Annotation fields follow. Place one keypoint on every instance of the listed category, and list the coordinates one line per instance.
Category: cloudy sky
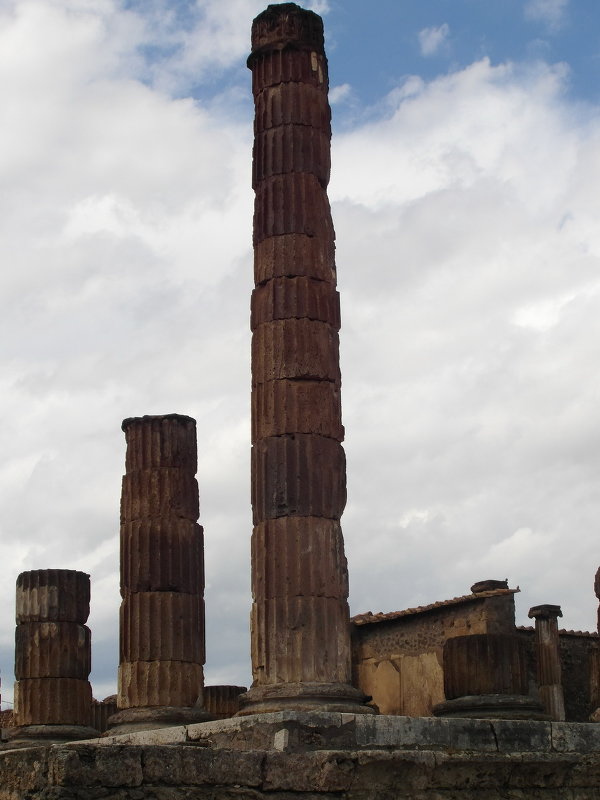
(466, 165)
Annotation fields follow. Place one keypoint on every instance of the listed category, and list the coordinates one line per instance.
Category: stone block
(53, 701)
(164, 492)
(292, 406)
(303, 476)
(299, 556)
(291, 148)
(162, 626)
(52, 650)
(300, 640)
(424, 733)
(289, 65)
(23, 773)
(89, 766)
(295, 348)
(160, 441)
(162, 765)
(292, 203)
(53, 595)
(295, 254)
(162, 554)
(292, 104)
(309, 772)
(295, 298)
(159, 683)
(575, 737)
(201, 766)
(522, 736)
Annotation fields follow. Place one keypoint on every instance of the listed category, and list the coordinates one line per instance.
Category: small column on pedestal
(548, 659)
(162, 578)
(53, 696)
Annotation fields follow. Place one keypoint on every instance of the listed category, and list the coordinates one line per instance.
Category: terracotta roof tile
(369, 618)
(561, 631)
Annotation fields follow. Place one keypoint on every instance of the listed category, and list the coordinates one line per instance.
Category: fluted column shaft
(52, 649)
(162, 567)
(485, 677)
(300, 620)
(548, 659)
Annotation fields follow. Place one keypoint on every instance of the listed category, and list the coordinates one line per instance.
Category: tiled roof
(369, 618)
(562, 631)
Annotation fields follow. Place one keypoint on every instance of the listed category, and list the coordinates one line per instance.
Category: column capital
(545, 611)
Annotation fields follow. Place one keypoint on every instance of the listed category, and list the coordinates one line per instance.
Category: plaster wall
(398, 662)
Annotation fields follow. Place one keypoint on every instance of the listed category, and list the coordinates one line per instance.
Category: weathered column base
(332, 697)
(151, 717)
(32, 735)
(492, 706)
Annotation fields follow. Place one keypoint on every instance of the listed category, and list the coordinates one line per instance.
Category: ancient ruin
(299, 631)
(548, 659)
(308, 726)
(53, 696)
(161, 653)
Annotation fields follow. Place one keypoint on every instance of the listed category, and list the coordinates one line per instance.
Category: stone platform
(317, 755)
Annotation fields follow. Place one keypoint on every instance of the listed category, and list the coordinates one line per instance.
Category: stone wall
(318, 757)
(397, 659)
(580, 664)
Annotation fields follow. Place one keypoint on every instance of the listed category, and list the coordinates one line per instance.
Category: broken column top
(165, 440)
(149, 418)
(53, 595)
(284, 25)
(546, 611)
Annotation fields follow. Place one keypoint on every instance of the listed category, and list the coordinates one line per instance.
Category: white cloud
(431, 39)
(551, 13)
(468, 266)
(340, 94)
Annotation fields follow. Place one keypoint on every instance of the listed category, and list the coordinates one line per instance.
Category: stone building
(397, 657)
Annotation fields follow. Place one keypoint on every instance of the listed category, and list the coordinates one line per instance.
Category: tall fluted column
(300, 621)
(162, 577)
(548, 659)
(53, 696)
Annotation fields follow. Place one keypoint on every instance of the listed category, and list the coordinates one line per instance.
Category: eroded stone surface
(53, 595)
(299, 630)
(288, 406)
(52, 650)
(162, 574)
(53, 701)
(162, 554)
(159, 683)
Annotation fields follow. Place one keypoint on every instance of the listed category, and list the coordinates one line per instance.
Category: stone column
(223, 701)
(485, 677)
(53, 697)
(548, 659)
(300, 621)
(162, 577)
(597, 593)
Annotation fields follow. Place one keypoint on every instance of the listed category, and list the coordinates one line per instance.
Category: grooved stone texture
(299, 622)
(52, 649)
(162, 571)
